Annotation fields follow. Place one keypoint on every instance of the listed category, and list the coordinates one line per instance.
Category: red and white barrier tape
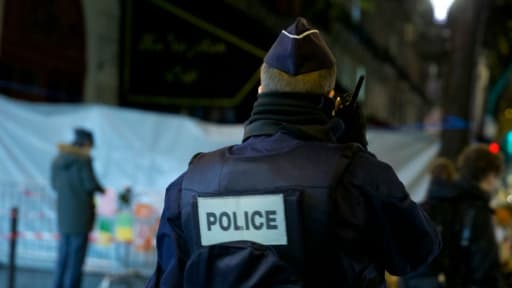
(49, 236)
(31, 215)
(30, 235)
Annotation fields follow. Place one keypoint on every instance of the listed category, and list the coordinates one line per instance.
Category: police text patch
(256, 218)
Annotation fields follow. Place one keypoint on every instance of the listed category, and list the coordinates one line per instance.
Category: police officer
(298, 202)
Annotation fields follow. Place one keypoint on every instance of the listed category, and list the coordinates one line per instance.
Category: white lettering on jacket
(256, 218)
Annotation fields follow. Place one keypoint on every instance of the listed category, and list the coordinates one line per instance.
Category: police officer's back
(291, 205)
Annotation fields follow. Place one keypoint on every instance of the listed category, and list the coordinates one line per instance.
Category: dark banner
(189, 53)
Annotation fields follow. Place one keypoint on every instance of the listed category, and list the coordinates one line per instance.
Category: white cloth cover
(141, 149)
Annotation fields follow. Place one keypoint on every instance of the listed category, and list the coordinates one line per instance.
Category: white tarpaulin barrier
(141, 149)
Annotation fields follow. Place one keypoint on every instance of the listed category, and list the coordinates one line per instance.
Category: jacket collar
(74, 150)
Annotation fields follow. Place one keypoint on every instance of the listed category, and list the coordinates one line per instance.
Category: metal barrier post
(12, 248)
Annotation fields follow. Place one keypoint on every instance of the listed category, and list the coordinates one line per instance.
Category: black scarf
(306, 116)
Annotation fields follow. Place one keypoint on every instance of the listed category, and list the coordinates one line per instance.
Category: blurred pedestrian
(292, 206)
(478, 264)
(503, 220)
(74, 180)
(461, 211)
(438, 203)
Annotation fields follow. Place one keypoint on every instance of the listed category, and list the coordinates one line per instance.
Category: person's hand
(125, 196)
(354, 125)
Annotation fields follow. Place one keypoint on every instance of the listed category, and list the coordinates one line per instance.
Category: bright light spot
(441, 8)
(509, 198)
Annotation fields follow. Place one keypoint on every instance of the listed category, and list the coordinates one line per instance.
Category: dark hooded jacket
(482, 262)
(73, 178)
(469, 257)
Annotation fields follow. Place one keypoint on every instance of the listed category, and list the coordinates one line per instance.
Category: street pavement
(31, 278)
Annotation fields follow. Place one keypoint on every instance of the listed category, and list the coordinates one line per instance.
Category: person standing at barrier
(74, 180)
(292, 205)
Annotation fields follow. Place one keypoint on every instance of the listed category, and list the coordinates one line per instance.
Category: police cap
(299, 49)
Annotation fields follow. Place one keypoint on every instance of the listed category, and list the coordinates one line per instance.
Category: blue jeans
(72, 250)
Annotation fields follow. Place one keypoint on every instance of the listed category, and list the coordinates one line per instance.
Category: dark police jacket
(329, 214)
